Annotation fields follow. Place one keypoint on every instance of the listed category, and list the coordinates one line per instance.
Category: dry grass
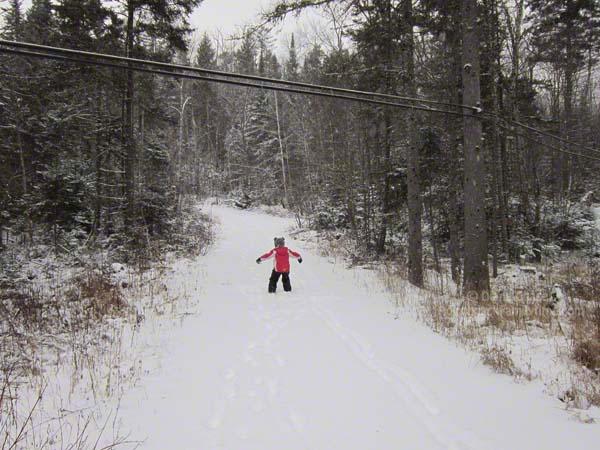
(90, 355)
(103, 298)
(510, 317)
(499, 360)
(56, 323)
(25, 430)
(439, 313)
(587, 353)
(581, 279)
(20, 304)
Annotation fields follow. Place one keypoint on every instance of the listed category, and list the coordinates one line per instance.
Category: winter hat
(279, 241)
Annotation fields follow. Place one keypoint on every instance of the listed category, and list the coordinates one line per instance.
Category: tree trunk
(567, 160)
(414, 200)
(285, 187)
(503, 193)
(24, 182)
(307, 158)
(22, 160)
(180, 133)
(476, 272)
(494, 144)
(500, 175)
(385, 207)
(495, 48)
(98, 163)
(130, 149)
(556, 155)
(434, 239)
(455, 139)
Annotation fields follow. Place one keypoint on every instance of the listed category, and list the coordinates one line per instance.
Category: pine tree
(564, 32)
(12, 16)
(208, 115)
(312, 68)
(158, 19)
(245, 56)
(292, 65)
(83, 23)
(40, 23)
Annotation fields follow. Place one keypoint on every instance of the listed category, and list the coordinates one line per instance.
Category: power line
(113, 61)
(316, 93)
(550, 146)
(201, 70)
(553, 136)
(536, 130)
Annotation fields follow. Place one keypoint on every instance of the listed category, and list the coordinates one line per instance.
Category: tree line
(102, 151)
(86, 151)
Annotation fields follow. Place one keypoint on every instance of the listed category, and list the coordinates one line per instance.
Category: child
(281, 265)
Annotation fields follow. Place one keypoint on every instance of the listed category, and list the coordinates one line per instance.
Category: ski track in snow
(323, 367)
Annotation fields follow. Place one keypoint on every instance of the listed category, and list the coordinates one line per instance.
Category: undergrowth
(555, 304)
(70, 307)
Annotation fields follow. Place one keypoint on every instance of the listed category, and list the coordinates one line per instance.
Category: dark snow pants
(285, 278)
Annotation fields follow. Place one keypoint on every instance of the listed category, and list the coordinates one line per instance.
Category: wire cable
(550, 146)
(550, 135)
(47, 48)
(227, 81)
(140, 65)
(515, 123)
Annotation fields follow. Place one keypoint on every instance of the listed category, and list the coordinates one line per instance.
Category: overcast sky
(224, 15)
(228, 16)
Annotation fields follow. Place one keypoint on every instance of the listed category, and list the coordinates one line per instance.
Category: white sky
(226, 17)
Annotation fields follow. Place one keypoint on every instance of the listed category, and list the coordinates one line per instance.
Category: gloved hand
(300, 260)
(258, 260)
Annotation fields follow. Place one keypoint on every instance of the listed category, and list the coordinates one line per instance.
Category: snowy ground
(328, 366)
(596, 211)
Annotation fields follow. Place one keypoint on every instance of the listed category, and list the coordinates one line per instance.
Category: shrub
(498, 359)
(103, 296)
(587, 353)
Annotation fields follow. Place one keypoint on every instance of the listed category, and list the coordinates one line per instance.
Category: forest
(106, 155)
(452, 145)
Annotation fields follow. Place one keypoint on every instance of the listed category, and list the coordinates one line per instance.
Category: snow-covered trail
(327, 366)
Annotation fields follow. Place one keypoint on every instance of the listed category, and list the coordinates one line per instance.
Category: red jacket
(282, 258)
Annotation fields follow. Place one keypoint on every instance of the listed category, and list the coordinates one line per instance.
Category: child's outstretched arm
(265, 256)
(296, 255)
